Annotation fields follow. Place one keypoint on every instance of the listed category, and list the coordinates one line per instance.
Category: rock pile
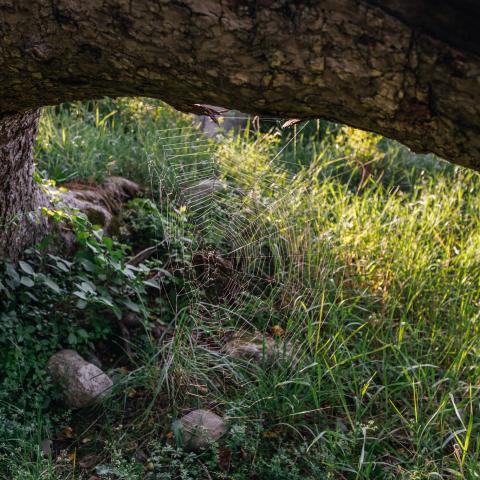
(100, 203)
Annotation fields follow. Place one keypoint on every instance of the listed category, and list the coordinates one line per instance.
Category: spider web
(238, 252)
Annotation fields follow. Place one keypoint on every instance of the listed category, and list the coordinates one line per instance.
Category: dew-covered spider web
(226, 201)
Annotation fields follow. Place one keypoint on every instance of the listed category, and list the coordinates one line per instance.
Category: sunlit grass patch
(358, 256)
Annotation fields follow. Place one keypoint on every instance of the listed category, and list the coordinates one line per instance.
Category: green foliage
(87, 141)
(49, 302)
(372, 276)
(143, 222)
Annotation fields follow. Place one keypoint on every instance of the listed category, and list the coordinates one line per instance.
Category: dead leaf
(151, 422)
(224, 458)
(88, 461)
(132, 393)
(68, 432)
(292, 122)
(278, 331)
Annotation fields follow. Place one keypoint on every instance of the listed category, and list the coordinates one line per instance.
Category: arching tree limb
(407, 69)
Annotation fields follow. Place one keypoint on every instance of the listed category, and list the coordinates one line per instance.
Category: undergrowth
(360, 255)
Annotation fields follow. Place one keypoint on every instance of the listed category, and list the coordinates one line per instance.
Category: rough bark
(409, 69)
(21, 222)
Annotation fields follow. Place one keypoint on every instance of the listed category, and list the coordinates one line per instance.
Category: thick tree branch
(382, 65)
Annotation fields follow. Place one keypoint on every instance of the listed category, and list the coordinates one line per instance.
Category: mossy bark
(407, 69)
(21, 221)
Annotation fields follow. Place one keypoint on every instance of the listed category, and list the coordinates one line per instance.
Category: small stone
(205, 188)
(131, 320)
(82, 381)
(259, 349)
(199, 428)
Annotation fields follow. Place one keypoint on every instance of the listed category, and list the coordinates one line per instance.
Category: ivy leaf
(31, 296)
(131, 306)
(106, 301)
(117, 312)
(128, 273)
(81, 304)
(51, 284)
(28, 282)
(87, 287)
(82, 333)
(12, 273)
(80, 294)
(87, 265)
(108, 243)
(63, 267)
(151, 283)
(26, 267)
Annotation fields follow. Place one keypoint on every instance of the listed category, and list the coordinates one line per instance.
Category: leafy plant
(360, 255)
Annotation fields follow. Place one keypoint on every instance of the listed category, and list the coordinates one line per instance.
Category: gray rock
(92, 358)
(100, 203)
(97, 214)
(82, 381)
(202, 190)
(199, 428)
(258, 348)
(230, 121)
(132, 320)
(119, 189)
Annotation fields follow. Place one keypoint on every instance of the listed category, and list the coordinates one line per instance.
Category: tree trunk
(21, 222)
(408, 69)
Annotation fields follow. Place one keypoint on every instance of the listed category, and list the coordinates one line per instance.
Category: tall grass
(393, 328)
(374, 278)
